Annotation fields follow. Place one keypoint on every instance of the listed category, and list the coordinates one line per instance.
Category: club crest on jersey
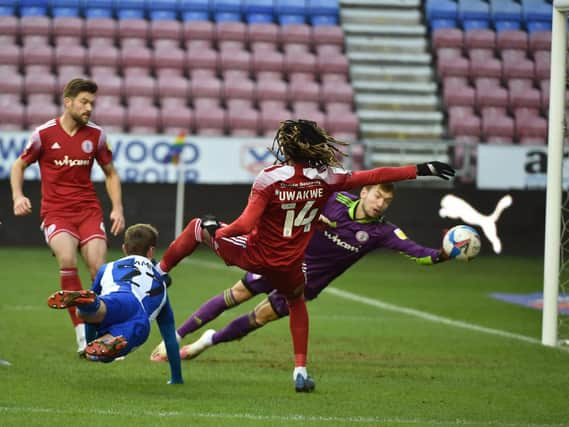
(87, 146)
(362, 236)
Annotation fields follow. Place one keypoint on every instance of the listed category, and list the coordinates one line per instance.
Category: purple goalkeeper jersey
(341, 243)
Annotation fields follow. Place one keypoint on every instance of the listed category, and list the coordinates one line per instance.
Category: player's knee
(240, 293)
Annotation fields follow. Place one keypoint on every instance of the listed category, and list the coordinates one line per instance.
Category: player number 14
(302, 218)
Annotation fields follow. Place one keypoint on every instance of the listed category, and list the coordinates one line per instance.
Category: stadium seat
(10, 55)
(133, 28)
(506, 15)
(202, 58)
(70, 55)
(263, 32)
(479, 54)
(328, 35)
(309, 111)
(12, 116)
(437, 10)
(226, 10)
(290, 11)
(482, 38)
(542, 64)
(126, 10)
(464, 125)
(453, 66)
(518, 68)
(194, 10)
(342, 125)
(270, 89)
(258, 11)
(68, 26)
(531, 129)
(172, 87)
(101, 29)
(38, 114)
(473, 14)
(485, 67)
(491, 96)
(107, 56)
(171, 58)
(539, 40)
(270, 119)
(512, 39)
(209, 89)
(35, 25)
(243, 122)
(33, 7)
(497, 129)
(140, 86)
(166, 29)
(210, 121)
(295, 63)
(296, 34)
(236, 88)
(9, 26)
(267, 61)
(323, 12)
(140, 56)
(162, 10)
(37, 55)
(448, 37)
(104, 101)
(231, 33)
(198, 34)
(524, 97)
(459, 96)
(337, 92)
(143, 119)
(536, 14)
(113, 86)
(11, 83)
(176, 119)
(235, 59)
(332, 64)
(112, 118)
(304, 91)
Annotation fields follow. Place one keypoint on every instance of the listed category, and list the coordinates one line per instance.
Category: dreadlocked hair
(304, 141)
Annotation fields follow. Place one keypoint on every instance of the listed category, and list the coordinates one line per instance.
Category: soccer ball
(461, 242)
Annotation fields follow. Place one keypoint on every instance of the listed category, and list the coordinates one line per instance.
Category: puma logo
(456, 208)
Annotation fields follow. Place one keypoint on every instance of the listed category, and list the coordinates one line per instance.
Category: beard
(81, 119)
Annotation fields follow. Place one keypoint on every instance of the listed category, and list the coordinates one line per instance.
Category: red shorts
(84, 226)
(234, 251)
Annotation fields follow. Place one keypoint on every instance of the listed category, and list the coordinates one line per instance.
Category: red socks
(182, 246)
(298, 323)
(70, 282)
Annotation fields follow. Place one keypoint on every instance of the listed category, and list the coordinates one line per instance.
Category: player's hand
(435, 168)
(22, 206)
(117, 221)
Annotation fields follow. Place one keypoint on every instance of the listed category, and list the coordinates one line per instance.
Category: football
(461, 242)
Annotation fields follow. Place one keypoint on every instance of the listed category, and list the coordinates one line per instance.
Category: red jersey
(65, 164)
(286, 200)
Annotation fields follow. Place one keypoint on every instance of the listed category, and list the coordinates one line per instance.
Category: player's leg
(183, 246)
(92, 241)
(266, 311)
(211, 309)
(291, 285)
(64, 246)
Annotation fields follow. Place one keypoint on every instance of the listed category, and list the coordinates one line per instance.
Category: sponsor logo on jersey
(399, 233)
(55, 146)
(362, 236)
(71, 162)
(291, 196)
(334, 238)
(87, 146)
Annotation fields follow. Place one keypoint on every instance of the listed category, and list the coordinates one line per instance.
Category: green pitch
(396, 344)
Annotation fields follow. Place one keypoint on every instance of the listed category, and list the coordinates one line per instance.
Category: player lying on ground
(271, 234)
(351, 228)
(127, 294)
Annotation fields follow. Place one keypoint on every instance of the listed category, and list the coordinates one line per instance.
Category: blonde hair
(304, 141)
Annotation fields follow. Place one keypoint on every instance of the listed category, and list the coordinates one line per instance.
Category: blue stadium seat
(506, 15)
(33, 7)
(537, 15)
(194, 10)
(8, 7)
(227, 10)
(162, 9)
(290, 11)
(443, 23)
(258, 11)
(98, 8)
(323, 12)
(65, 7)
(130, 9)
(473, 14)
(441, 9)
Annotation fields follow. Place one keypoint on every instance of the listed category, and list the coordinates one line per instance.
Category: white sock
(80, 336)
(299, 370)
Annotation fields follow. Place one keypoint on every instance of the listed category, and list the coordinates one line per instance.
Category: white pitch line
(399, 309)
(260, 417)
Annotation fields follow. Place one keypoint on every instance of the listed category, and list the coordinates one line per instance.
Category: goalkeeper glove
(435, 168)
(211, 224)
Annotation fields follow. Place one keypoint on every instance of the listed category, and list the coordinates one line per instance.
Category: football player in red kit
(72, 218)
(271, 235)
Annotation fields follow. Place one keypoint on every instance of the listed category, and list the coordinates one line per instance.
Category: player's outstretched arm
(22, 205)
(435, 168)
(168, 331)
